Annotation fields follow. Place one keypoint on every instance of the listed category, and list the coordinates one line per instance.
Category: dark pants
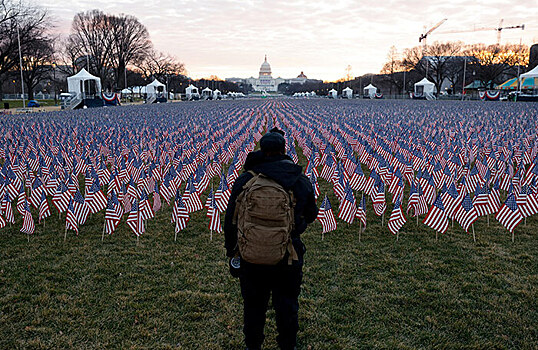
(257, 283)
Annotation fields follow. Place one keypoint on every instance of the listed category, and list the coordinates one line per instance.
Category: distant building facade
(265, 81)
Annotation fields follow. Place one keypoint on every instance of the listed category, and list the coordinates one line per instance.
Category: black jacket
(289, 175)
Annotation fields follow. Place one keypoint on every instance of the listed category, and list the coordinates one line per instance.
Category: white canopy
(530, 74)
(155, 87)
(76, 83)
(207, 90)
(425, 87)
(333, 93)
(216, 94)
(191, 89)
(370, 90)
(347, 92)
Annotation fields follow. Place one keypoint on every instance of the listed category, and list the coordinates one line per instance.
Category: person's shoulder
(303, 183)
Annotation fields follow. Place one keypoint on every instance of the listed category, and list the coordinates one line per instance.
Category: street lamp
(54, 81)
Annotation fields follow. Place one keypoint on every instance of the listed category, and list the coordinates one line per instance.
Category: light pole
(20, 62)
(54, 81)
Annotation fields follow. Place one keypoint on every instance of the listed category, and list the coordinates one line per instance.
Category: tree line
(116, 48)
(441, 62)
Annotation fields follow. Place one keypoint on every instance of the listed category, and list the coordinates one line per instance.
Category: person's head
(273, 143)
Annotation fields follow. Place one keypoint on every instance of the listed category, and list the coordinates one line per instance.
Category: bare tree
(390, 69)
(131, 44)
(30, 21)
(433, 61)
(91, 41)
(158, 65)
(493, 62)
(37, 63)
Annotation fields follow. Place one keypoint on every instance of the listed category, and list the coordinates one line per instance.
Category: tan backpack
(264, 215)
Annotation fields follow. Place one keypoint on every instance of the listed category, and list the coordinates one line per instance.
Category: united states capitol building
(266, 82)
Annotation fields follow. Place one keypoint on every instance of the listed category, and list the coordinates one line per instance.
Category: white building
(266, 82)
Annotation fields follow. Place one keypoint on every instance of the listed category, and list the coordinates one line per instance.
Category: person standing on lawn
(270, 206)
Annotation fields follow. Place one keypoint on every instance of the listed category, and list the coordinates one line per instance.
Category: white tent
(84, 84)
(207, 93)
(156, 88)
(191, 92)
(347, 93)
(217, 94)
(333, 93)
(424, 87)
(530, 74)
(370, 90)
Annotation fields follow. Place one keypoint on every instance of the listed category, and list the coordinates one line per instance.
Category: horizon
(230, 38)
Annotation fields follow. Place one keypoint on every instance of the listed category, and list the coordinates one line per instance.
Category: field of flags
(434, 161)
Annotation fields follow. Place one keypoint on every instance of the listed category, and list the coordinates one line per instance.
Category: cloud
(230, 37)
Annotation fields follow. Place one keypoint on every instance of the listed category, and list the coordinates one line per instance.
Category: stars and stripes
(326, 216)
(509, 215)
(113, 213)
(348, 208)
(466, 214)
(397, 218)
(436, 217)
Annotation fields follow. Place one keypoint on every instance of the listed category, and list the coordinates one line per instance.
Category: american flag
(314, 181)
(71, 222)
(191, 198)
(397, 218)
(326, 217)
(378, 199)
(358, 180)
(156, 199)
(80, 208)
(95, 199)
(361, 211)
(451, 200)
(135, 220)
(7, 208)
(529, 201)
(348, 209)
(466, 213)
(113, 213)
(145, 208)
(223, 194)
(509, 215)
(44, 211)
(481, 200)
(214, 223)
(28, 225)
(180, 215)
(436, 217)
(61, 197)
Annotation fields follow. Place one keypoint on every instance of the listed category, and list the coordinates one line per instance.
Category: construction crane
(498, 29)
(423, 37)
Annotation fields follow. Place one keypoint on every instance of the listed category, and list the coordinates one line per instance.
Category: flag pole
(65, 233)
(103, 235)
(488, 219)
(474, 236)
(383, 219)
(512, 236)
(436, 235)
(360, 230)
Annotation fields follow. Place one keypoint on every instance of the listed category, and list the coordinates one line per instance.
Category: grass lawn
(377, 293)
(414, 293)
(18, 103)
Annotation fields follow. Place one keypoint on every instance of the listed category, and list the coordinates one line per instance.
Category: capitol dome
(265, 69)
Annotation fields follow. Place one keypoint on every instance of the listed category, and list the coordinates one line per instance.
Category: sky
(229, 38)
